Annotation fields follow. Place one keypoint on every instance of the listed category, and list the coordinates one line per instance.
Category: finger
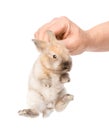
(41, 31)
(58, 28)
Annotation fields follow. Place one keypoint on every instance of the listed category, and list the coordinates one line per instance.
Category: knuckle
(64, 18)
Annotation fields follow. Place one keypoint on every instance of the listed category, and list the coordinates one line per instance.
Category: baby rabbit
(46, 90)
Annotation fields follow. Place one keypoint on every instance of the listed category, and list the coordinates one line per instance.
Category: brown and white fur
(46, 90)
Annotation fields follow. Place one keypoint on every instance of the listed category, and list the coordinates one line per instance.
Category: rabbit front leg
(46, 82)
(64, 78)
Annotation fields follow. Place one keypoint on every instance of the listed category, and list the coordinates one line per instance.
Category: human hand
(68, 33)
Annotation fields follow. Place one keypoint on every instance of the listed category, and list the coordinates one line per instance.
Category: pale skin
(74, 38)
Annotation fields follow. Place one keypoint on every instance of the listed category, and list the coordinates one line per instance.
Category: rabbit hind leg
(28, 113)
(62, 103)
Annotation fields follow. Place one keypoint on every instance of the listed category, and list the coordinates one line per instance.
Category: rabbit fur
(46, 90)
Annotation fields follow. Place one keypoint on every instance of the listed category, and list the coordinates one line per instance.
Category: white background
(19, 19)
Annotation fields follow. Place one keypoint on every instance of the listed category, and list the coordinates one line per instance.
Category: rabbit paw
(63, 102)
(65, 78)
(28, 113)
(67, 98)
(46, 83)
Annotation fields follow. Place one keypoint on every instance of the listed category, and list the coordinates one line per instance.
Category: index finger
(55, 25)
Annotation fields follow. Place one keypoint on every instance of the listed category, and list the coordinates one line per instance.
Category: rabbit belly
(50, 94)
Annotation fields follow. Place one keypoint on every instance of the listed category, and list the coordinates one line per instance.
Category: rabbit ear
(51, 35)
(41, 45)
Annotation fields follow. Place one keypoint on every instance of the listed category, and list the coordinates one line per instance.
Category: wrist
(91, 40)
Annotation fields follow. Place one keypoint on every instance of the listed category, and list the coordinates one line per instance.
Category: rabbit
(46, 91)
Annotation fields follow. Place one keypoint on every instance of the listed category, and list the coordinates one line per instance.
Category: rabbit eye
(54, 56)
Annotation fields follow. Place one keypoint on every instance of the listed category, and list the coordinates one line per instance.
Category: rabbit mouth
(66, 70)
(64, 67)
(61, 71)
(58, 69)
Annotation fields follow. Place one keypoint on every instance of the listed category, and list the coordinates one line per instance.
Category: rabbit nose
(66, 65)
